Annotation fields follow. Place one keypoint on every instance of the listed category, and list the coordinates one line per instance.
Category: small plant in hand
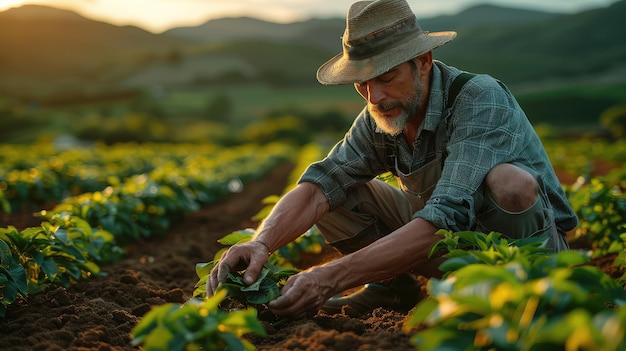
(265, 289)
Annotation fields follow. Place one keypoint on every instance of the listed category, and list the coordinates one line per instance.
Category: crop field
(107, 247)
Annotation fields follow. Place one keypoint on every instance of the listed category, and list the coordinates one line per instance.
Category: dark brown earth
(99, 314)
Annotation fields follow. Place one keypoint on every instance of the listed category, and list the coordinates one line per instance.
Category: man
(472, 163)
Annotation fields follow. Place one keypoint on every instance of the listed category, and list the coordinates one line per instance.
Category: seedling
(196, 325)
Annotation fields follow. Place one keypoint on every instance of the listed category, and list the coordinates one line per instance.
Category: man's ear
(424, 62)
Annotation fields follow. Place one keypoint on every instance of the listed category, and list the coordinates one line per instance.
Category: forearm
(295, 213)
(406, 249)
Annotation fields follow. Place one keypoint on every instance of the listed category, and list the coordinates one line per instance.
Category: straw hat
(379, 35)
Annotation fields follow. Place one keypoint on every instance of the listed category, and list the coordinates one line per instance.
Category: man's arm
(294, 214)
(406, 249)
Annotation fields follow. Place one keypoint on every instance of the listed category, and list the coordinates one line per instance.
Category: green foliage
(220, 108)
(58, 253)
(464, 248)
(198, 324)
(614, 119)
(601, 209)
(512, 298)
(32, 175)
(66, 248)
(287, 129)
(12, 277)
(577, 156)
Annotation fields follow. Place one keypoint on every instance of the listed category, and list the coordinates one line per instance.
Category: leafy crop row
(174, 333)
(60, 252)
(509, 297)
(601, 209)
(36, 175)
(83, 232)
(497, 294)
(577, 156)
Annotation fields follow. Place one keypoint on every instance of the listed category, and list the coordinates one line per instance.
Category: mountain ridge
(59, 49)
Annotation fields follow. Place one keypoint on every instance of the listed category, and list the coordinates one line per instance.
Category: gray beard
(392, 126)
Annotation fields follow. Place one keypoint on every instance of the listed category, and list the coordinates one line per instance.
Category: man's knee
(511, 187)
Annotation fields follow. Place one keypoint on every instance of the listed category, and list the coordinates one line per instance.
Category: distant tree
(614, 119)
(220, 108)
(174, 57)
(289, 129)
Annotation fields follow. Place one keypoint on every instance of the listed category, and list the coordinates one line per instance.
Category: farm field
(99, 313)
(129, 160)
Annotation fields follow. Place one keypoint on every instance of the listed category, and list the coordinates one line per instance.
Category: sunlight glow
(7, 4)
(158, 16)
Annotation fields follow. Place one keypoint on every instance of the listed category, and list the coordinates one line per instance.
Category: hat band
(382, 40)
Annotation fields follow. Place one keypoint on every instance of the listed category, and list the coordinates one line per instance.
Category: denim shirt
(486, 127)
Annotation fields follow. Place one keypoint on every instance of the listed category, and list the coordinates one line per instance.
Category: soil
(99, 314)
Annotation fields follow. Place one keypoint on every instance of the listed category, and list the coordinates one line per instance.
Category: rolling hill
(582, 44)
(48, 50)
(48, 47)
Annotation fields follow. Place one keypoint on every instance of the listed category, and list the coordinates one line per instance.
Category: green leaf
(570, 258)
(160, 339)
(61, 235)
(420, 314)
(49, 268)
(454, 263)
(267, 292)
(257, 284)
(244, 321)
(440, 339)
(213, 302)
(236, 237)
(13, 269)
(203, 269)
(150, 322)
(232, 342)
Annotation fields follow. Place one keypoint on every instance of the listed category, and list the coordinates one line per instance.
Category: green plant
(50, 256)
(12, 278)
(266, 288)
(199, 324)
(601, 208)
(59, 252)
(506, 297)
(469, 247)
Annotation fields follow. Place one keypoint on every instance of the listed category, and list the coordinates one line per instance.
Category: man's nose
(375, 93)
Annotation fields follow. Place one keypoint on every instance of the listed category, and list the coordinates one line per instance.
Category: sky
(160, 15)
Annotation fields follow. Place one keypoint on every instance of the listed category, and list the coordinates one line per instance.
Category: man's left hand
(303, 294)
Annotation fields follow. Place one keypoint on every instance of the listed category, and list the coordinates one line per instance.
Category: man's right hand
(250, 256)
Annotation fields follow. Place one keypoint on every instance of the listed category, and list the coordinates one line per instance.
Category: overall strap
(456, 86)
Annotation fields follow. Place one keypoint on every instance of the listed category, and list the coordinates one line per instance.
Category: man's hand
(250, 256)
(303, 294)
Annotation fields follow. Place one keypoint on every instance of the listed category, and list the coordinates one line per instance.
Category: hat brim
(341, 70)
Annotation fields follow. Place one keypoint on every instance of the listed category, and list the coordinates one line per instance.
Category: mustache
(384, 107)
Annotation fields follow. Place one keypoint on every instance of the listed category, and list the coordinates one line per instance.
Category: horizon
(158, 16)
